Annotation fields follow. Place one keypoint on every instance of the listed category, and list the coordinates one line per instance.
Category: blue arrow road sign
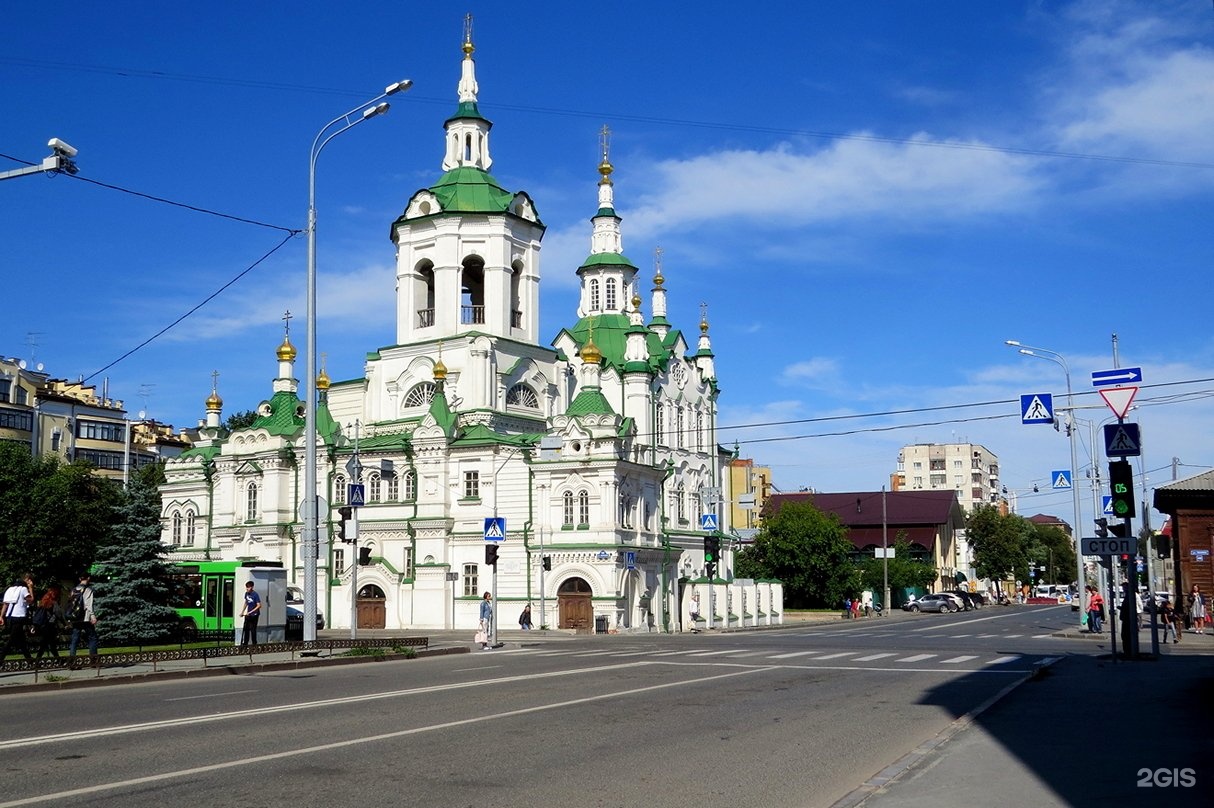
(495, 528)
(1061, 479)
(1037, 408)
(1101, 378)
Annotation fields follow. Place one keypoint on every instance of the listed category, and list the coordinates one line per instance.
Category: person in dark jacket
(47, 621)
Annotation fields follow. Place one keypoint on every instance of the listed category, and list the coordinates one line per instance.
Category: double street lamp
(1059, 359)
(311, 543)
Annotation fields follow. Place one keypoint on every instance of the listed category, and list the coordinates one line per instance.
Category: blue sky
(869, 197)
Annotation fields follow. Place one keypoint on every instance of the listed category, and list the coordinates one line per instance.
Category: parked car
(295, 614)
(935, 602)
(970, 600)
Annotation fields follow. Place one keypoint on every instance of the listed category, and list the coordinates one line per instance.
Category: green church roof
(608, 259)
(471, 190)
(590, 401)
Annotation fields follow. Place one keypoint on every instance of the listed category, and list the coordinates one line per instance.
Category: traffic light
(364, 556)
(1102, 528)
(712, 549)
(491, 554)
(547, 560)
(1163, 546)
(1121, 475)
(1119, 529)
(345, 513)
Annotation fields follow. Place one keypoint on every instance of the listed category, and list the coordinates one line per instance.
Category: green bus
(204, 595)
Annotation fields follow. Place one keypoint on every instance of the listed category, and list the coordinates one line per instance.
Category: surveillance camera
(59, 147)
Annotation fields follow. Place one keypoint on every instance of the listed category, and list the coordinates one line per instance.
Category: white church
(599, 450)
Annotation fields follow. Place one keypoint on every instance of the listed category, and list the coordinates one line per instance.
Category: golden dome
(704, 326)
(440, 370)
(322, 380)
(591, 354)
(286, 351)
(214, 402)
(636, 302)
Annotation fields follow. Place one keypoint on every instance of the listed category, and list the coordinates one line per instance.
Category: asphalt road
(798, 716)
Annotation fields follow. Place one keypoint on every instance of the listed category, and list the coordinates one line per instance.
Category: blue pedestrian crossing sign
(1061, 479)
(356, 494)
(495, 528)
(1037, 408)
(1122, 440)
(1106, 504)
(630, 559)
(708, 521)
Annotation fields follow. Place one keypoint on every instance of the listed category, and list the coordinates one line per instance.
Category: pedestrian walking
(1167, 616)
(14, 617)
(524, 619)
(47, 620)
(693, 611)
(486, 620)
(1198, 607)
(1095, 610)
(855, 608)
(251, 611)
(847, 608)
(82, 616)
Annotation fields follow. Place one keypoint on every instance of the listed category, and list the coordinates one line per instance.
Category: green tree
(52, 515)
(1000, 543)
(240, 420)
(133, 586)
(808, 551)
(905, 572)
(1052, 548)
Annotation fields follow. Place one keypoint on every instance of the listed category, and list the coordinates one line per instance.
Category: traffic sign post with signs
(1116, 376)
(1037, 408)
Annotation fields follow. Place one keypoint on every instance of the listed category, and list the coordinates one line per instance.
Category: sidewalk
(1086, 731)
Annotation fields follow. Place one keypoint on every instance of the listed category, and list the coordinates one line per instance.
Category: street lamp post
(1059, 359)
(311, 543)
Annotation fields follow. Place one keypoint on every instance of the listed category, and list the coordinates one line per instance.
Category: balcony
(425, 318)
(472, 315)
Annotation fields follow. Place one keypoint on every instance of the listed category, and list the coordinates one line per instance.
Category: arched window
(410, 484)
(659, 425)
(680, 503)
(522, 396)
(594, 295)
(176, 527)
(567, 500)
(610, 296)
(339, 490)
(373, 489)
(420, 395)
(392, 484)
(678, 435)
(699, 431)
(583, 508)
(191, 529)
(250, 502)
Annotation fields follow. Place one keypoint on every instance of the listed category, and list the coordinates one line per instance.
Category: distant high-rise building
(969, 469)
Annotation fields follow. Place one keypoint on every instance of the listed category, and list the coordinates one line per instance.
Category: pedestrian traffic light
(1163, 546)
(491, 554)
(364, 556)
(344, 513)
(1102, 528)
(1121, 475)
(547, 563)
(712, 549)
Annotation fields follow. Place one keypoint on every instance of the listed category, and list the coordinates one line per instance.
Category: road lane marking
(793, 654)
(836, 656)
(354, 742)
(871, 657)
(957, 659)
(1011, 636)
(972, 620)
(212, 695)
(1003, 660)
(915, 658)
(959, 636)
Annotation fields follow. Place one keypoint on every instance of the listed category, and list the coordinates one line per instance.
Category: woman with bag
(482, 636)
(1197, 609)
(47, 621)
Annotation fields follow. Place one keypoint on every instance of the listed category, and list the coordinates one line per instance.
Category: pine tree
(132, 584)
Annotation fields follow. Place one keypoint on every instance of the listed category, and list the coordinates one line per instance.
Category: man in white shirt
(14, 617)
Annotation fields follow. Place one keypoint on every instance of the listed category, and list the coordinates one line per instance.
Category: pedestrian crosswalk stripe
(957, 659)
(1003, 659)
(959, 636)
(836, 656)
(915, 658)
(871, 657)
(793, 654)
(1011, 636)
(986, 636)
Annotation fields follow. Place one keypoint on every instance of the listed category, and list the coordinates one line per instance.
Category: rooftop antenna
(31, 342)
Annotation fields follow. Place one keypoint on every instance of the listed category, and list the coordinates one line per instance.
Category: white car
(957, 601)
